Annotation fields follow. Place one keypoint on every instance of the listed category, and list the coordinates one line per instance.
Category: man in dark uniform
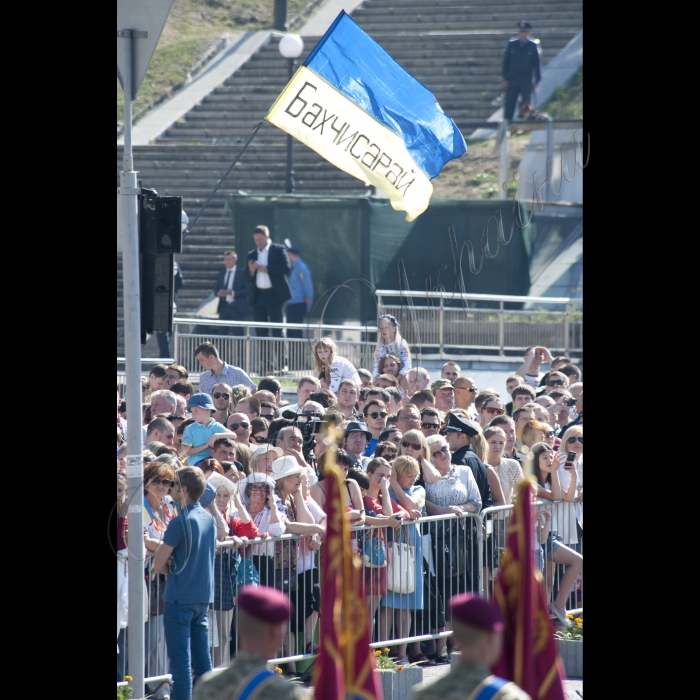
(263, 615)
(521, 69)
(478, 628)
(458, 432)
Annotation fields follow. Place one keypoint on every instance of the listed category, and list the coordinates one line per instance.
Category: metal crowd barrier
(426, 563)
(552, 519)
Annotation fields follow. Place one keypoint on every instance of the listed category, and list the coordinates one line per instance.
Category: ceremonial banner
(529, 656)
(345, 665)
(355, 106)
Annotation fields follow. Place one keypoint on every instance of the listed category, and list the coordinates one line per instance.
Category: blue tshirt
(371, 447)
(192, 534)
(197, 435)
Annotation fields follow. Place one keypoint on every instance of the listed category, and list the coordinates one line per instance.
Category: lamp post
(291, 47)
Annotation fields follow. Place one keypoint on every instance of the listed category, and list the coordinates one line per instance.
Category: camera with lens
(310, 425)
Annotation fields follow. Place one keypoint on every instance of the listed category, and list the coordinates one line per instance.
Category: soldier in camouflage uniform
(478, 627)
(263, 615)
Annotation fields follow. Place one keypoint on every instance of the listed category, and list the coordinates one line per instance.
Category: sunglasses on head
(260, 440)
(572, 440)
(235, 426)
(497, 411)
(165, 482)
(376, 415)
(218, 395)
(428, 426)
(406, 445)
(441, 452)
(555, 382)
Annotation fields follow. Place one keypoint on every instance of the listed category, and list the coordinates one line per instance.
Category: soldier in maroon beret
(478, 629)
(263, 615)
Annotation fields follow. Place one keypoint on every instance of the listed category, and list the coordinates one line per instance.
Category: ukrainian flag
(355, 106)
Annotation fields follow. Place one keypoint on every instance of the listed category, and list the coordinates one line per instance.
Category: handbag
(449, 543)
(402, 566)
(372, 551)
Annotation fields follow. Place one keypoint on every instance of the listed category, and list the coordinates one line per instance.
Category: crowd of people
(229, 467)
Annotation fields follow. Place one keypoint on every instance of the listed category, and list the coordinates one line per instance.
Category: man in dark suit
(232, 288)
(268, 267)
(521, 69)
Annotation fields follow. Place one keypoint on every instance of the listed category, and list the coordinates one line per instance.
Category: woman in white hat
(263, 458)
(304, 517)
(258, 495)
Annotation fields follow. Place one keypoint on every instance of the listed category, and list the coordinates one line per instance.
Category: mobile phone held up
(570, 459)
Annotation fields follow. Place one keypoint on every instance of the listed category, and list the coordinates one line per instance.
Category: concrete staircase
(455, 49)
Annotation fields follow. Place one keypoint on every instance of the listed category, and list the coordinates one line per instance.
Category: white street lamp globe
(291, 46)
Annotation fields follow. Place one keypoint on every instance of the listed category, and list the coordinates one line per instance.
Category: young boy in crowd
(200, 436)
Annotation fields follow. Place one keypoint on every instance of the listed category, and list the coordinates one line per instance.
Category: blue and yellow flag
(355, 106)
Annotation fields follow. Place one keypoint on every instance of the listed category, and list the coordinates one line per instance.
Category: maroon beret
(477, 612)
(265, 603)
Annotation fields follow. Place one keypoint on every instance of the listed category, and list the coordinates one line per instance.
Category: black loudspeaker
(160, 224)
(157, 276)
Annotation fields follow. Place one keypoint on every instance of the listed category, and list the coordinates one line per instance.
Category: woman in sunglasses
(387, 450)
(456, 492)
(258, 432)
(572, 441)
(489, 409)
(158, 511)
(546, 466)
(413, 444)
(239, 529)
(263, 506)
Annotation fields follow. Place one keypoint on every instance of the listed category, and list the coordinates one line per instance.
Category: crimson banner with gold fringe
(345, 665)
(529, 656)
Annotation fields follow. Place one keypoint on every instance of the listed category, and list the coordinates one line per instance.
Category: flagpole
(221, 182)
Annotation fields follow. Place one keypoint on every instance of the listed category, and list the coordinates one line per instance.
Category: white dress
(391, 349)
(342, 369)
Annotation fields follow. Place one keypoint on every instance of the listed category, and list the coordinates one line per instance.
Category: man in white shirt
(268, 270)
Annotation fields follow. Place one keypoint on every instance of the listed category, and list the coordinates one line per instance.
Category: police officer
(263, 616)
(521, 69)
(478, 627)
(302, 289)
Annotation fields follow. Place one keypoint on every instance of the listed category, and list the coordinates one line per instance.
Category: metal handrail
(476, 297)
(253, 324)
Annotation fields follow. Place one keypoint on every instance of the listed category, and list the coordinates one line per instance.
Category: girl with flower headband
(390, 342)
(336, 368)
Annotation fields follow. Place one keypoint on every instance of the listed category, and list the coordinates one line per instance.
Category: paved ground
(570, 686)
